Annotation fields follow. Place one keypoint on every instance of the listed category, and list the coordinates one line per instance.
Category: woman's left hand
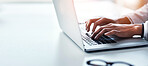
(120, 30)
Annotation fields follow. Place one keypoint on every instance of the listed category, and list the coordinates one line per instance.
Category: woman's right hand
(104, 21)
(98, 22)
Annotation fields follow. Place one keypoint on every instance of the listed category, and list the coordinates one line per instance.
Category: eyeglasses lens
(119, 64)
(99, 63)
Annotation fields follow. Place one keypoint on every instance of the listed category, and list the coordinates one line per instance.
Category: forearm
(139, 16)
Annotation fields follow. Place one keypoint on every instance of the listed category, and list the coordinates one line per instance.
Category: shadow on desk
(68, 54)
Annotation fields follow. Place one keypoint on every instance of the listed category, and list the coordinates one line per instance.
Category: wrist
(123, 20)
(138, 29)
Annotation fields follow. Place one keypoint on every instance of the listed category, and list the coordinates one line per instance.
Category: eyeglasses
(98, 62)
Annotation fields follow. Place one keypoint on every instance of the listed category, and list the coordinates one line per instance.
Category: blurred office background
(25, 1)
(132, 4)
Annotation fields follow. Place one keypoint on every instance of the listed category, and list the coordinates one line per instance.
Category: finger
(101, 27)
(89, 23)
(102, 32)
(110, 25)
(101, 21)
(95, 25)
(105, 21)
(113, 32)
(94, 28)
(95, 33)
(98, 22)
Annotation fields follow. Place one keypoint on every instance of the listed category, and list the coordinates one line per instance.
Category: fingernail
(92, 32)
(106, 34)
(95, 38)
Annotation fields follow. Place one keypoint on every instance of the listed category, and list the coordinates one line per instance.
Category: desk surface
(30, 36)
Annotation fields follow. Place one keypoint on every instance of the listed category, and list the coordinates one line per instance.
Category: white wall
(25, 1)
(34, 0)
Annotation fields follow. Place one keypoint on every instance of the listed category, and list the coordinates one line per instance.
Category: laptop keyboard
(102, 40)
(86, 37)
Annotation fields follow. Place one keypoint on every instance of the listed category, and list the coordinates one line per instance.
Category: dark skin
(121, 27)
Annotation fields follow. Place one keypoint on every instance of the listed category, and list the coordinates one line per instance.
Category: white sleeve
(139, 16)
(146, 30)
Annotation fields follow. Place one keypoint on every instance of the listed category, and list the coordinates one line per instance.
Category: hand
(97, 21)
(103, 21)
(120, 30)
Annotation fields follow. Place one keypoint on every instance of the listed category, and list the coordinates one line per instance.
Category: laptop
(69, 24)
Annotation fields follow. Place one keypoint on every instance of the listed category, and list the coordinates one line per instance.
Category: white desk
(30, 36)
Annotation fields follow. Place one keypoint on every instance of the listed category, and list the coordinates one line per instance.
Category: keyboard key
(110, 39)
(102, 40)
(107, 40)
(89, 40)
